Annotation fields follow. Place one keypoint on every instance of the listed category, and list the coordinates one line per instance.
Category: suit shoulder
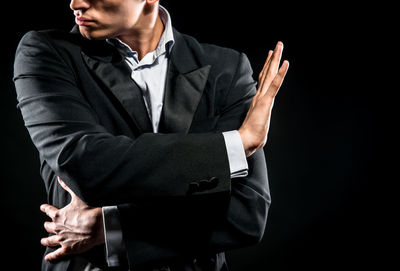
(42, 50)
(35, 43)
(212, 51)
(225, 62)
(58, 39)
(49, 35)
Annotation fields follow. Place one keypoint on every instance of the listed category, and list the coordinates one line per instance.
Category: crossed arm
(78, 227)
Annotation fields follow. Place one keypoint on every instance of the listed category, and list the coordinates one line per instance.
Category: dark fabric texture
(88, 121)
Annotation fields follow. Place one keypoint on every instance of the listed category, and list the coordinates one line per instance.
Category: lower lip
(82, 22)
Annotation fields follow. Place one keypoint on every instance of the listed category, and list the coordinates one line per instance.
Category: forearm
(113, 170)
(105, 169)
(234, 222)
(115, 248)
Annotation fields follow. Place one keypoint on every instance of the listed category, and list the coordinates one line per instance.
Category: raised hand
(255, 127)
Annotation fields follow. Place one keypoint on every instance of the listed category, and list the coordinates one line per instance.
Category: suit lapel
(110, 68)
(184, 88)
(185, 83)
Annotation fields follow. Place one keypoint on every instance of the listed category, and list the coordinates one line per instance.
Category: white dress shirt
(150, 74)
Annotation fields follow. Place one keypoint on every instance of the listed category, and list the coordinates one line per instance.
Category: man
(146, 149)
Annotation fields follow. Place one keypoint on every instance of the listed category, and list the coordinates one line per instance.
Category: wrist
(245, 143)
(251, 141)
(99, 238)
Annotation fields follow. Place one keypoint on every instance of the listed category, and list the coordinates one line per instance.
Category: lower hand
(77, 227)
(254, 129)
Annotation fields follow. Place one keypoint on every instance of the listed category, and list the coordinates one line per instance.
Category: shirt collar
(167, 38)
(165, 44)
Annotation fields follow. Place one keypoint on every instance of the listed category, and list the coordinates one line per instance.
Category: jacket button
(203, 185)
(213, 180)
(193, 187)
(208, 184)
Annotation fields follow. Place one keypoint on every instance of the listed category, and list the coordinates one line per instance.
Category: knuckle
(57, 229)
(276, 84)
(62, 251)
(56, 215)
(49, 226)
(59, 238)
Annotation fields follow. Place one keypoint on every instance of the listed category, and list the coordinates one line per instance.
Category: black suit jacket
(89, 123)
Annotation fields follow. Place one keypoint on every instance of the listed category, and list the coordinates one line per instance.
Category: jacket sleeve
(102, 168)
(155, 233)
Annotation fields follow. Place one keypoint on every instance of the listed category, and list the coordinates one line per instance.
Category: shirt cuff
(115, 248)
(236, 155)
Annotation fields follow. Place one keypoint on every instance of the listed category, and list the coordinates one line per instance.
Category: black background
(329, 202)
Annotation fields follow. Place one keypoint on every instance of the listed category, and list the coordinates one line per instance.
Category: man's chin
(93, 34)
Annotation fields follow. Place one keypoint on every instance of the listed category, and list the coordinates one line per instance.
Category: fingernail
(279, 44)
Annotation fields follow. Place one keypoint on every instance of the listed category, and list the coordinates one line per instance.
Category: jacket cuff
(115, 247)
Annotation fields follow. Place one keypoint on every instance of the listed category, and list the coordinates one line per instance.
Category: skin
(78, 227)
(255, 127)
(135, 22)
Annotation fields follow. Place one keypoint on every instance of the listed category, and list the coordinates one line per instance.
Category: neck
(146, 35)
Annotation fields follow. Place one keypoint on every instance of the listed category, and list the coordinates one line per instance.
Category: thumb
(74, 198)
(66, 188)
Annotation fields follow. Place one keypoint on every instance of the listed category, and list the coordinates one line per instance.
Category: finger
(51, 241)
(55, 255)
(65, 187)
(50, 227)
(270, 52)
(50, 210)
(262, 74)
(276, 58)
(278, 80)
(272, 70)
